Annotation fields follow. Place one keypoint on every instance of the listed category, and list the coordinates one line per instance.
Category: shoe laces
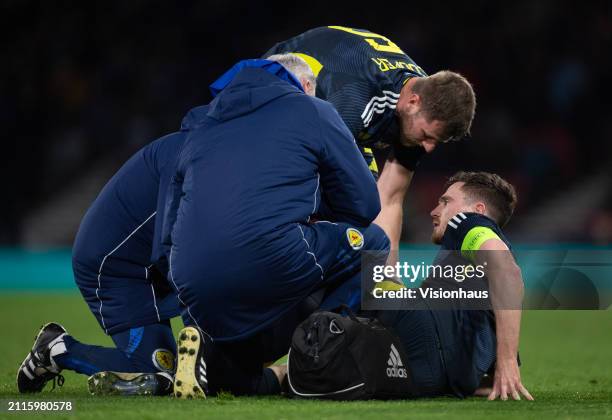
(59, 380)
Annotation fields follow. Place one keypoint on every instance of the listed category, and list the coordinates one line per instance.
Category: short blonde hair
(297, 66)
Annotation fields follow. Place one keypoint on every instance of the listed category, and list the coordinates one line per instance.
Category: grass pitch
(567, 367)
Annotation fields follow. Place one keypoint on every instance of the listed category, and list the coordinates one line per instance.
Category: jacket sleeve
(348, 187)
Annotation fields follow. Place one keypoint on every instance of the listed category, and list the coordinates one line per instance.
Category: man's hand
(507, 381)
(506, 286)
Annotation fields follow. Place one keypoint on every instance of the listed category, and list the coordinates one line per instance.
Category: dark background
(84, 85)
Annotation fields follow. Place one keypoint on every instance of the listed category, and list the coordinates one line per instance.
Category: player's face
(453, 201)
(417, 131)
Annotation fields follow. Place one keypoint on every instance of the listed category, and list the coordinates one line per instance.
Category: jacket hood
(249, 85)
(194, 117)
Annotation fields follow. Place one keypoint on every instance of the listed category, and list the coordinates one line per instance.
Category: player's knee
(83, 257)
(85, 271)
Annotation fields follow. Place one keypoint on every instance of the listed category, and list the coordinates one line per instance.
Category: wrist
(407, 156)
(506, 360)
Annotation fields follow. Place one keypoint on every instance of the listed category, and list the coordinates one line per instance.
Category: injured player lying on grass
(479, 347)
(460, 347)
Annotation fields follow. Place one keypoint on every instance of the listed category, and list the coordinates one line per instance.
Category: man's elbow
(373, 208)
(365, 216)
(367, 212)
(371, 204)
(507, 288)
(515, 273)
(516, 288)
(518, 275)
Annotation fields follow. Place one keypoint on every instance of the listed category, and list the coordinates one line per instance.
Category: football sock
(144, 349)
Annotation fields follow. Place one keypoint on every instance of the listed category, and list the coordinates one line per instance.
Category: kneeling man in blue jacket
(243, 247)
(238, 193)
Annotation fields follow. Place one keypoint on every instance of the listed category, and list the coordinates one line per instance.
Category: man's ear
(480, 207)
(414, 99)
(306, 85)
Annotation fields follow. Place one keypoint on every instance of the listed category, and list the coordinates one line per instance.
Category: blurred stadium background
(83, 85)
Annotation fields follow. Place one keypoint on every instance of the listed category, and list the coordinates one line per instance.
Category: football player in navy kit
(395, 111)
(451, 350)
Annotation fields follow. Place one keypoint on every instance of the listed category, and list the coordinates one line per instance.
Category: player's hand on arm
(506, 287)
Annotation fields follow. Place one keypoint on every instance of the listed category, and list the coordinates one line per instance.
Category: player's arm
(348, 186)
(506, 287)
(392, 184)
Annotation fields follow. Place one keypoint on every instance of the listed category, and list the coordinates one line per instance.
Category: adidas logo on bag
(395, 369)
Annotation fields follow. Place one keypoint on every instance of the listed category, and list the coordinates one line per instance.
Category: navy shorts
(417, 332)
(448, 351)
(233, 296)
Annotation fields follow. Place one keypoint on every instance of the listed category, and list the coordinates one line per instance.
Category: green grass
(566, 355)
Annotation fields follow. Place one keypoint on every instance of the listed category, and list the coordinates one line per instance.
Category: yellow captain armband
(474, 239)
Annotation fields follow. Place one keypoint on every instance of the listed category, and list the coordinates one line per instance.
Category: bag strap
(344, 307)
